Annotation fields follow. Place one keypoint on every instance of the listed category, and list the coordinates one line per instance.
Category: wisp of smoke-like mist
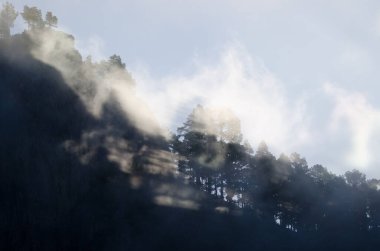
(236, 83)
(95, 82)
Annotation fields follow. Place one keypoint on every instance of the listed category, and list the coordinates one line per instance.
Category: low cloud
(269, 112)
(236, 82)
(96, 82)
(353, 111)
(93, 47)
(239, 83)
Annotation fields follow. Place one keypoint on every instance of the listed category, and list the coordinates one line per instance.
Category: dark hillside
(78, 170)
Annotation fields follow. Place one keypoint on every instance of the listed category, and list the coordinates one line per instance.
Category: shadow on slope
(69, 181)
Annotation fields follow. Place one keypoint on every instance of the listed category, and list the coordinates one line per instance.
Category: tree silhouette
(61, 186)
(51, 20)
(8, 15)
(355, 178)
(33, 17)
(298, 198)
(115, 60)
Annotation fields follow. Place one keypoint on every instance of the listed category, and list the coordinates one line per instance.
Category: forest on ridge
(85, 166)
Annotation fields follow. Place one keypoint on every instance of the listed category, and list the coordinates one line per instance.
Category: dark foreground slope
(56, 198)
(51, 200)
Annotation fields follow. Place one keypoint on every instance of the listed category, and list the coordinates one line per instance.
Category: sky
(301, 75)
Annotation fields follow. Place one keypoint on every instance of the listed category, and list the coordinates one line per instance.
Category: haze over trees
(8, 16)
(51, 20)
(284, 189)
(82, 169)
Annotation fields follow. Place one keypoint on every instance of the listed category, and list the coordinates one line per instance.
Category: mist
(97, 155)
(241, 81)
(268, 111)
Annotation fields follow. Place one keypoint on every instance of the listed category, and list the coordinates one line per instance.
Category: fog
(97, 156)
